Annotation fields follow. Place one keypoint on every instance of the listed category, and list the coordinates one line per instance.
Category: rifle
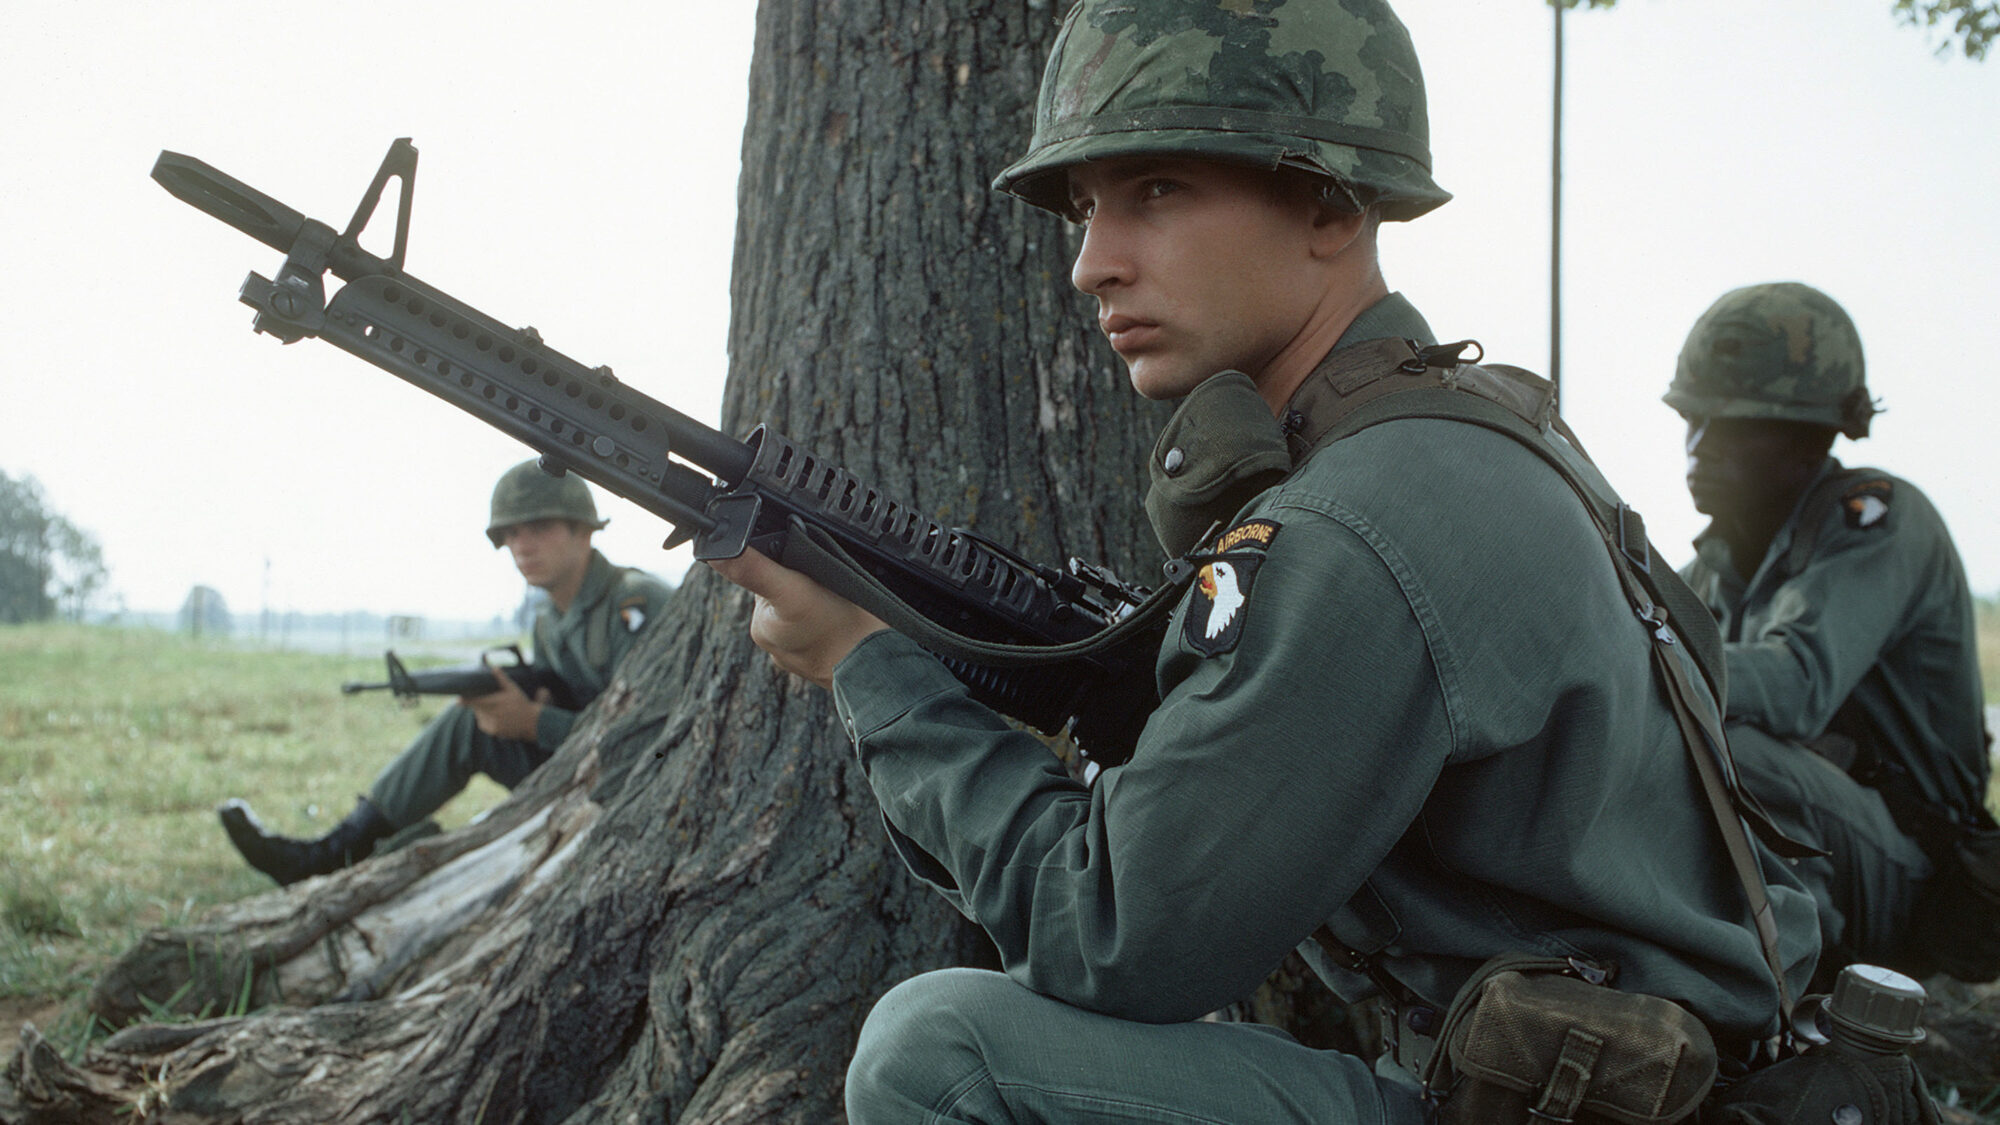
(469, 680)
(1058, 648)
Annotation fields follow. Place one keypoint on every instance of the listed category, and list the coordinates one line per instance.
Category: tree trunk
(687, 913)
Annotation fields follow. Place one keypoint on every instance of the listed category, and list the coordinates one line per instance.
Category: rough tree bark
(686, 914)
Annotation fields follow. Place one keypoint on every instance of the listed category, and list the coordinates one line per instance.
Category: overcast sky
(578, 174)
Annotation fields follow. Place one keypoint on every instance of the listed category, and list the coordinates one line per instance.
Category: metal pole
(1555, 217)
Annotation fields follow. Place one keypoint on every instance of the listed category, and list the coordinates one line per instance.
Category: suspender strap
(1620, 526)
(1696, 725)
(1492, 398)
(597, 628)
(544, 638)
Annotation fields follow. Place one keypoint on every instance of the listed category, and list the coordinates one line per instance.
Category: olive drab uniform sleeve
(1858, 620)
(1384, 707)
(584, 643)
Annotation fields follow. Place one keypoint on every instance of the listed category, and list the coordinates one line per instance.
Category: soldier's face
(1751, 467)
(1197, 268)
(549, 553)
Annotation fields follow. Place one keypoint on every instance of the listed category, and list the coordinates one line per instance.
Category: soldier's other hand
(807, 628)
(508, 712)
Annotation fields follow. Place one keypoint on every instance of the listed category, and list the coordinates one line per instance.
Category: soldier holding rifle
(595, 612)
(1409, 720)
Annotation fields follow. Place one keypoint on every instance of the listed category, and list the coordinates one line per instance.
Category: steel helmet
(526, 492)
(1326, 86)
(1780, 350)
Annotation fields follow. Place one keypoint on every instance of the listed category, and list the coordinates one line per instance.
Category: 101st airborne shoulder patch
(1867, 503)
(1215, 613)
(632, 612)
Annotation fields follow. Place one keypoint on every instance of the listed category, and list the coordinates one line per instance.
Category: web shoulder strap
(1492, 398)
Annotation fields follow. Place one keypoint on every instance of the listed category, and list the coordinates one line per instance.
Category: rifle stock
(1020, 635)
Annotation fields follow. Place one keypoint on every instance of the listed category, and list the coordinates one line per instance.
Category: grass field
(116, 746)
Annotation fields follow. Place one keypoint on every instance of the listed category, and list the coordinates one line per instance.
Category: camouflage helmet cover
(526, 492)
(1326, 86)
(1781, 350)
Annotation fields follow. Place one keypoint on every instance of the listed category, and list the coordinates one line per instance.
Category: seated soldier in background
(594, 613)
(1854, 692)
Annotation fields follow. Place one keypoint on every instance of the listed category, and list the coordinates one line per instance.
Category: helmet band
(1219, 120)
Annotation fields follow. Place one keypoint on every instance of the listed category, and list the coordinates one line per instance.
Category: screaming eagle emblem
(632, 613)
(1218, 585)
(1867, 503)
(1220, 600)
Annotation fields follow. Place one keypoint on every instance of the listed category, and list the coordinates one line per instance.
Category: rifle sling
(819, 556)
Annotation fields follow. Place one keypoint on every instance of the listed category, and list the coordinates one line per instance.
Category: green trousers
(1867, 887)
(965, 1045)
(436, 766)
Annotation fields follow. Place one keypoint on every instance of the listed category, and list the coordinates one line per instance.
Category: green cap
(1330, 87)
(526, 492)
(1780, 350)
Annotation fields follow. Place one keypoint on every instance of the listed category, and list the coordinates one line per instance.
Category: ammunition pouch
(1217, 453)
(1530, 1039)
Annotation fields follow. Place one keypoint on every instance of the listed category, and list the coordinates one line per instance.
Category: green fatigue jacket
(584, 643)
(1417, 706)
(1865, 629)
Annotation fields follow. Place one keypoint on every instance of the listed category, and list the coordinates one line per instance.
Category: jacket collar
(597, 582)
(1392, 316)
(1222, 446)
(1711, 548)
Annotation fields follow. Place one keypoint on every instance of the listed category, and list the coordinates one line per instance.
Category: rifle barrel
(488, 369)
(580, 418)
(263, 218)
(229, 199)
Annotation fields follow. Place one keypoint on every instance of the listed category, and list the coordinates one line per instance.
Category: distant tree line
(48, 565)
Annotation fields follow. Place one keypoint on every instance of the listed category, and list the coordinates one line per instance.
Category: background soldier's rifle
(1054, 647)
(469, 680)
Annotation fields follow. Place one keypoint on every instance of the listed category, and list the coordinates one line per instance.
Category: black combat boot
(288, 860)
